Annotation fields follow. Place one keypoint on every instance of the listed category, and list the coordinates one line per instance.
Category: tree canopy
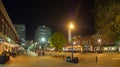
(107, 17)
(57, 40)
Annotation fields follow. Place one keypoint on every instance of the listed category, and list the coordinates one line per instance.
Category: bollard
(63, 56)
(96, 59)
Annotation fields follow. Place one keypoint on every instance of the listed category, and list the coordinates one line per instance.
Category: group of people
(11, 52)
(40, 53)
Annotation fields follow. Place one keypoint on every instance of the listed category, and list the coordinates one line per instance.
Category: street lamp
(99, 40)
(71, 26)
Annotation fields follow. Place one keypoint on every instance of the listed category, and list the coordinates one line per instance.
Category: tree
(107, 17)
(57, 40)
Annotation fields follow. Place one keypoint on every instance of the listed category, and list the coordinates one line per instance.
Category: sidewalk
(31, 53)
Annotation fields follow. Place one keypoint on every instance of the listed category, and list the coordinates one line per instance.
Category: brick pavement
(48, 61)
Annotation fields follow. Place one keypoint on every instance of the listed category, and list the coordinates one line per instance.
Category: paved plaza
(85, 60)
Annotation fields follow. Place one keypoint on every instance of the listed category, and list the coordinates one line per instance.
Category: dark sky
(52, 13)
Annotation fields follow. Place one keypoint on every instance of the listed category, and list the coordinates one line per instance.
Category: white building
(21, 28)
(42, 34)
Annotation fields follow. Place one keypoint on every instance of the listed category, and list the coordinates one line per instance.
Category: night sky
(52, 13)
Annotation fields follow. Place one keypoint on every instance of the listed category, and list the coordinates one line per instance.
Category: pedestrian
(96, 59)
(43, 53)
(39, 53)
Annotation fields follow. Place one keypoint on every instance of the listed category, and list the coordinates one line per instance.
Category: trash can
(68, 59)
(75, 60)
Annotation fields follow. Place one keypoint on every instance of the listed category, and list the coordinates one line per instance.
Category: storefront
(97, 48)
(86, 48)
(110, 49)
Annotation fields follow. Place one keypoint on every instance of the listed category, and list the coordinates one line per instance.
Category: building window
(1, 25)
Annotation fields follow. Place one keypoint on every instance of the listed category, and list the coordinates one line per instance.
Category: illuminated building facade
(21, 28)
(8, 33)
(42, 34)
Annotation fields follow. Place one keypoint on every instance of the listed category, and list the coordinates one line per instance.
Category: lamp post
(71, 26)
(99, 41)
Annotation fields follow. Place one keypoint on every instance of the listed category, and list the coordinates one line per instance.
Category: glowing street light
(71, 26)
(99, 40)
(43, 39)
